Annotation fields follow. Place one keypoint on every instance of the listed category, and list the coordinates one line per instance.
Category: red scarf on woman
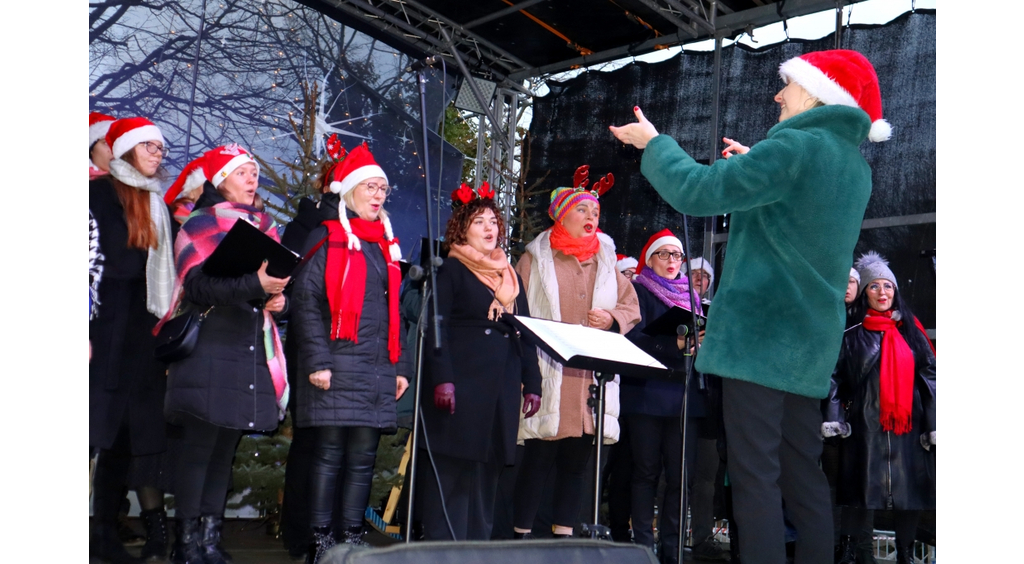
(896, 373)
(580, 247)
(345, 278)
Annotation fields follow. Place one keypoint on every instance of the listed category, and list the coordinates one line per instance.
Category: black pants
(657, 445)
(469, 489)
(295, 506)
(774, 445)
(618, 484)
(110, 477)
(352, 450)
(570, 457)
(203, 468)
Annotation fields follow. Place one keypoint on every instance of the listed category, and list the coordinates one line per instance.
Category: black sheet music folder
(243, 250)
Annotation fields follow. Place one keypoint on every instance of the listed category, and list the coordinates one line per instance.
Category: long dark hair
(906, 323)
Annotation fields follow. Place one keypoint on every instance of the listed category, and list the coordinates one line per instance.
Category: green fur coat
(797, 201)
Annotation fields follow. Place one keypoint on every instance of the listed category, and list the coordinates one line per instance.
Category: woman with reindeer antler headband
(477, 376)
(569, 275)
(351, 362)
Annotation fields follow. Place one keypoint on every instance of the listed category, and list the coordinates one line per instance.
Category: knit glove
(444, 397)
(835, 428)
(928, 440)
(531, 405)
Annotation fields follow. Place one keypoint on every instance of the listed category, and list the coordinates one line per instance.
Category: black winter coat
(362, 391)
(490, 368)
(225, 381)
(662, 398)
(125, 380)
(880, 469)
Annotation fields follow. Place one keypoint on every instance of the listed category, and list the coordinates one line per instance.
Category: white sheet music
(570, 340)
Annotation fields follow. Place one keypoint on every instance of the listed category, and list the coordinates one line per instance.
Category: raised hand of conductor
(636, 134)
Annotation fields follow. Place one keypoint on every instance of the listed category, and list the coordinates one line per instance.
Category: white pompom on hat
(841, 77)
(871, 266)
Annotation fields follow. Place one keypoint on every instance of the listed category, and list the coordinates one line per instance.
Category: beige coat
(576, 283)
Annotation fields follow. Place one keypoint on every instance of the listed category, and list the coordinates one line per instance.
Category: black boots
(354, 536)
(187, 540)
(323, 540)
(155, 521)
(209, 543)
(523, 536)
(905, 555)
(106, 546)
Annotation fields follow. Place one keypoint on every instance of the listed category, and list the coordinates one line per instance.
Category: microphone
(416, 272)
(422, 64)
(682, 330)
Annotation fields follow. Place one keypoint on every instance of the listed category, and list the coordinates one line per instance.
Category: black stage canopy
(512, 40)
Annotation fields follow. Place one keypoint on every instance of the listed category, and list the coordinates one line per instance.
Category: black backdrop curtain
(570, 128)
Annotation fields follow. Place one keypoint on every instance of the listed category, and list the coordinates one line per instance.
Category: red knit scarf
(580, 247)
(896, 373)
(345, 278)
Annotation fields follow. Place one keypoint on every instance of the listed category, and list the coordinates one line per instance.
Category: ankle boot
(522, 536)
(187, 537)
(210, 545)
(905, 555)
(558, 536)
(846, 552)
(105, 545)
(354, 535)
(155, 521)
(323, 540)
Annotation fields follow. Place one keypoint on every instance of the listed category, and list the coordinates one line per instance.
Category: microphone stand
(428, 293)
(686, 391)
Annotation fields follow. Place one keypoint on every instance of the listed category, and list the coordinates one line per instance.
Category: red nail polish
(636, 108)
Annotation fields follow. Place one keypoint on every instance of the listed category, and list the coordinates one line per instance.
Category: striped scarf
(199, 236)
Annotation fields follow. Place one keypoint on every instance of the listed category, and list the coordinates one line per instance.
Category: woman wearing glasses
(569, 275)
(352, 368)
(126, 383)
(652, 408)
(885, 378)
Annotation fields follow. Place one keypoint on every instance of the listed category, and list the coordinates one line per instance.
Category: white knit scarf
(160, 262)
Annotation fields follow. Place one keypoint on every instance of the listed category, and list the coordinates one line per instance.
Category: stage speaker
(567, 551)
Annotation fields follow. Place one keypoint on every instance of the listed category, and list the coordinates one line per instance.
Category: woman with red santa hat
(651, 408)
(569, 275)
(126, 383)
(352, 367)
(233, 382)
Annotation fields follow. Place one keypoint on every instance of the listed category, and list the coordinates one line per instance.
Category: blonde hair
(350, 203)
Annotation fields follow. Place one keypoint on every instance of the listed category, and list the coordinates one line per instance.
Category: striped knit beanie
(565, 199)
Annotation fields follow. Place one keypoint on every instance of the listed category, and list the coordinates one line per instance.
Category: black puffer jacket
(362, 391)
(880, 469)
(225, 381)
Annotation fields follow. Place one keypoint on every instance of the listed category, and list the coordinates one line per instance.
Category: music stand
(607, 354)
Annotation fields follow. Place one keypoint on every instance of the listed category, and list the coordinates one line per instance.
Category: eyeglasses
(153, 148)
(664, 255)
(372, 189)
(876, 287)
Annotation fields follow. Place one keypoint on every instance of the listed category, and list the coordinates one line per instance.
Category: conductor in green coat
(797, 201)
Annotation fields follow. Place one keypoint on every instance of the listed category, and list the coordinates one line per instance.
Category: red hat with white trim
(657, 241)
(129, 132)
(357, 167)
(623, 262)
(841, 77)
(214, 165)
(99, 124)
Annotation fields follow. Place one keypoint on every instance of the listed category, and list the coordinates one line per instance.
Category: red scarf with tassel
(896, 373)
(345, 279)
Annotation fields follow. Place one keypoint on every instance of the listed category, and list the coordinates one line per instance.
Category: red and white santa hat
(99, 124)
(357, 166)
(842, 77)
(129, 132)
(214, 165)
(623, 262)
(657, 241)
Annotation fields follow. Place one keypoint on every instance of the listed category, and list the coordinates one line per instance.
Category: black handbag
(177, 338)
